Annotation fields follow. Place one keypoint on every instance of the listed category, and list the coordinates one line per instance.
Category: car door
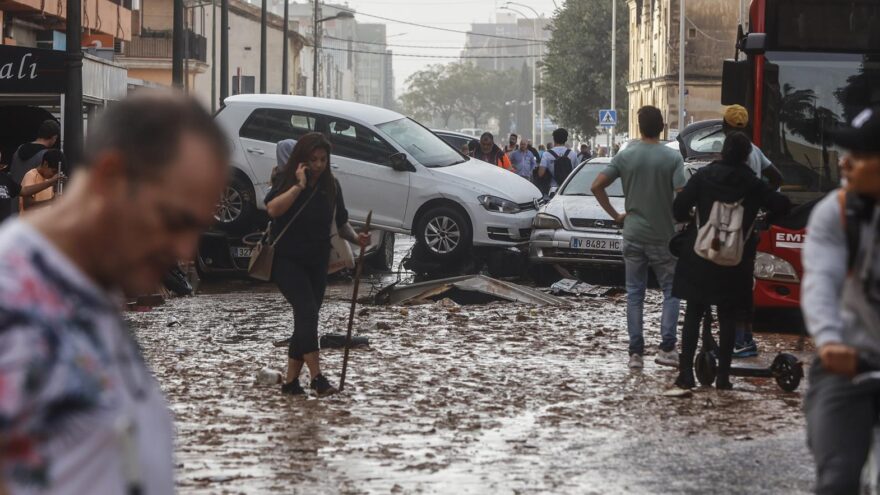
(360, 160)
(261, 132)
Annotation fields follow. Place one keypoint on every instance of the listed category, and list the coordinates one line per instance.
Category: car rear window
(276, 124)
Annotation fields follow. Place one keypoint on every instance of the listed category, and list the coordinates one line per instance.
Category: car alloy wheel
(442, 235)
(230, 206)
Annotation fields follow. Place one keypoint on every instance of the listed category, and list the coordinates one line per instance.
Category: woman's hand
(364, 239)
(301, 175)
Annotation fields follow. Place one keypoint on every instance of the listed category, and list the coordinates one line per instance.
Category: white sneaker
(667, 358)
(636, 362)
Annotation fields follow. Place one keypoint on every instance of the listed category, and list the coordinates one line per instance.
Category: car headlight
(499, 205)
(545, 221)
(769, 267)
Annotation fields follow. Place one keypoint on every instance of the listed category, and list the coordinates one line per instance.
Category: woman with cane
(307, 197)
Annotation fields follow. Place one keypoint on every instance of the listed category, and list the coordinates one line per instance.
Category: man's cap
(736, 116)
(863, 135)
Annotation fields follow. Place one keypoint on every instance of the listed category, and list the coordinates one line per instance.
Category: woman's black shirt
(309, 236)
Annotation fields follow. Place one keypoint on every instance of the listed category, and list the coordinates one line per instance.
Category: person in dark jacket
(703, 283)
(489, 152)
(30, 155)
(306, 195)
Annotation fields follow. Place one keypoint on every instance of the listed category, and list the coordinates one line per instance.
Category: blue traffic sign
(608, 118)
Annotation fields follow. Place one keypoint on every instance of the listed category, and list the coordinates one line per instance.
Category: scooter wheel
(788, 371)
(706, 368)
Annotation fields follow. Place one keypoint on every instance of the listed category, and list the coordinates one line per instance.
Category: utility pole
(177, 45)
(263, 20)
(213, 56)
(73, 110)
(316, 43)
(285, 49)
(224, 50)
(613, 71)
(681, 41)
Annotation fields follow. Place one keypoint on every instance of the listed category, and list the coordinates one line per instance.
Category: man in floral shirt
(79, 411)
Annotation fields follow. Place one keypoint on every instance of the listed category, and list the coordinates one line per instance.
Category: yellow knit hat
(736, 116)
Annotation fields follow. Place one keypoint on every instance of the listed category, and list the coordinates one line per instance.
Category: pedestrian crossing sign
(608, 118)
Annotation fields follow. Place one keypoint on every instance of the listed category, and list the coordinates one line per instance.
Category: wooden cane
(354, 296)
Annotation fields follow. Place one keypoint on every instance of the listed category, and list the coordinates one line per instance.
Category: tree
(430, 95)
(577, 68)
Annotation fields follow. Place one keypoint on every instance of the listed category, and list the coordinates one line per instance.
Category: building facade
(710, 37)
(374, 76)
(148, 57)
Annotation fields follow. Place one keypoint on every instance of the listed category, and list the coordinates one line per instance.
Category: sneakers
(636, 362)
(292, 388)
(747, 350)
(322, 387)
(667, 358)
(686, 380)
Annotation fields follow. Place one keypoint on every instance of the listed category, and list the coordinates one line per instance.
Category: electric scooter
(786, 369)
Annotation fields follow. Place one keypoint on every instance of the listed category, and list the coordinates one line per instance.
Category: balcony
(158, 44)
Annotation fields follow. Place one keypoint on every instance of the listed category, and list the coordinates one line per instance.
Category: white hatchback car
(412, 181)
(573, 229)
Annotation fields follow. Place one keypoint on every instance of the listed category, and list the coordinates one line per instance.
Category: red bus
(810, 65)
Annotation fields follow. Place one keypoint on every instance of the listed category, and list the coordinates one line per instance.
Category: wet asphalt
(497, 398)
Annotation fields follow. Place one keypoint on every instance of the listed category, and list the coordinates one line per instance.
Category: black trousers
(303, 283)
(690, 333)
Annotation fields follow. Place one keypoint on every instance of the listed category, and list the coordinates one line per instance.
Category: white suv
(412, 180)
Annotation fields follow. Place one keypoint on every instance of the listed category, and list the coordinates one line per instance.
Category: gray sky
(448, 14)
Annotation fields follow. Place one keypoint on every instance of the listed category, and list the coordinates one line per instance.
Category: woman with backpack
(717, 250)
(304, 201)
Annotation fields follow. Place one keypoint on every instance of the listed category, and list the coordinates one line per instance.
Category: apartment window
(692, 33)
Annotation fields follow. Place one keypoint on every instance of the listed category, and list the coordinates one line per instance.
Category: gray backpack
(721, 239)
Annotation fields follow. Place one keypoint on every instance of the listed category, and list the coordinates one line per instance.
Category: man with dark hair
(651, 174)
(585, 154)
(48, 171)
(30, 155)
(489, 152)
(80, 411)
(11, 190)
(556, 164)
(512, 142)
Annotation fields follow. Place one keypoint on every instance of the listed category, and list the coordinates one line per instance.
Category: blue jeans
(637, 258)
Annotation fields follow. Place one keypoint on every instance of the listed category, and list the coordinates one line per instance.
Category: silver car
(572, 229)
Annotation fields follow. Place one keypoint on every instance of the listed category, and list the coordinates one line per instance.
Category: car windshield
(421, 144)
(580, 184)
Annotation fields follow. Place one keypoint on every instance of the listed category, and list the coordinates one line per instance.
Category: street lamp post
(263, 21)
(285, 50)
(681, 40)
(535, 62)
(316, 42)
(613, 70)
(534, 72)
(224, 50)
(73, 111)
(177, 45)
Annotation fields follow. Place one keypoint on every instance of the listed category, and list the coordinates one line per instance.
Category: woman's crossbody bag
(263, 255)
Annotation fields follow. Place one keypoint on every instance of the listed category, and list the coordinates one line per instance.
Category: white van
(413, 181)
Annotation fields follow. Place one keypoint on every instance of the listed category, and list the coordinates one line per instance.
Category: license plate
(596, 244)
(241, 252)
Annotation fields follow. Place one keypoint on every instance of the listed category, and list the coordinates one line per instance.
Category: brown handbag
(263, 254)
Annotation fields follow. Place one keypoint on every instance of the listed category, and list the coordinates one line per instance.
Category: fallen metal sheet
(476, 288)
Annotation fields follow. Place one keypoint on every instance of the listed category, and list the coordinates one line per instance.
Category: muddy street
(497, 398)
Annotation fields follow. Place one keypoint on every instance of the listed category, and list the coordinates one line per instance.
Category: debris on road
(465, 290)
(679, 393)
(336, 340)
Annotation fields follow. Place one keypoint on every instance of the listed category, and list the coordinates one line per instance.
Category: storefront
(32, 88)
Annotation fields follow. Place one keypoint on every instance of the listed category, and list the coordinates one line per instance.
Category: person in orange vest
(489, 152)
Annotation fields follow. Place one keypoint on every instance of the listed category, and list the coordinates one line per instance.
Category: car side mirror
(753, 44)
(400, 163)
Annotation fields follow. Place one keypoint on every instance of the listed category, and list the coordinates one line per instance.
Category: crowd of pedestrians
(547, 166)
(81, 413)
